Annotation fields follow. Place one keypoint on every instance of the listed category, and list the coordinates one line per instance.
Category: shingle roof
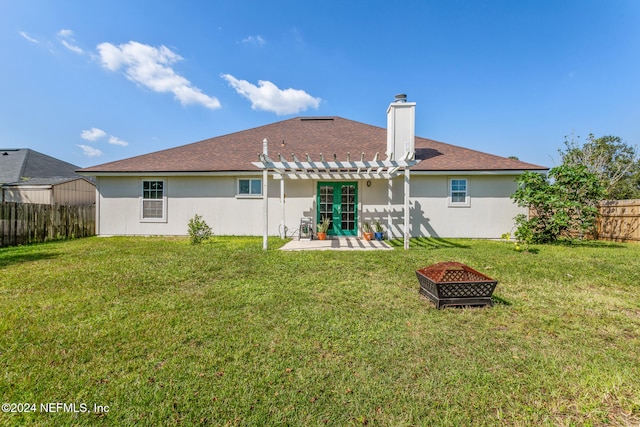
(19, 163)
(301, 135)
(50, 180)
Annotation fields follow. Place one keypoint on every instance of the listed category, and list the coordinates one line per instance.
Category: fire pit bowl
(453, 283)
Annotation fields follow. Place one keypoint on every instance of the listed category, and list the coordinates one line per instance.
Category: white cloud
(65, 33)
(67, 40)
(90, 151)
(255, 40)
(71, 47)
(93, 134)
(268, 97)
(117, 141)
(151, 67)
(110, 56)
(28, 37)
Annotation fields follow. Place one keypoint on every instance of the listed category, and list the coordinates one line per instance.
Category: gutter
(166, 173)
(513, 172)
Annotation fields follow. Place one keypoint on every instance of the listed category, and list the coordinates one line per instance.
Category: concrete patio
(339, 244)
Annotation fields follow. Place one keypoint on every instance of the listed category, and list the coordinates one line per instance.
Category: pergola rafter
(323, 169)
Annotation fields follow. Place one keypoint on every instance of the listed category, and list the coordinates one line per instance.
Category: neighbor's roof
(302, 135)
(17, 164)
(50, 180)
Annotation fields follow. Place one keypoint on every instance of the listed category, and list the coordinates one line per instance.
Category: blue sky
(94, 81)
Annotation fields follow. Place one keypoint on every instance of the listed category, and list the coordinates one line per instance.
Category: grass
(166, 333)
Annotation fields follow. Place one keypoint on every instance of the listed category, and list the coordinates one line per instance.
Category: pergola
(333, 169)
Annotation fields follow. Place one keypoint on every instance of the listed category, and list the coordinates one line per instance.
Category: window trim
(248, 195)
(467, 197)
(164, 199)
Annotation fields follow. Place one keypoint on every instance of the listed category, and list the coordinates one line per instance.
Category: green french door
(338, 201)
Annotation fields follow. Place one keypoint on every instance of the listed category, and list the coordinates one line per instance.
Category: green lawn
(166, 333)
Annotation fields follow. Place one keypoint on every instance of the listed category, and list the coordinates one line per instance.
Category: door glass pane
(348, 207)
(326, 203)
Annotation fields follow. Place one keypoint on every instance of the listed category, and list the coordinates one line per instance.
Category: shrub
(563, 207)
(199, 231)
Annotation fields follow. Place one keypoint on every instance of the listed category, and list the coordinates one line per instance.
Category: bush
(199, 231)
(567, 206)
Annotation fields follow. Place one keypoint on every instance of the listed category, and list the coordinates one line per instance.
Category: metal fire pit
(453, 283)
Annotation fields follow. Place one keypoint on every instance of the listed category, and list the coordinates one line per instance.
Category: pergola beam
(267, 163)
(334, 175)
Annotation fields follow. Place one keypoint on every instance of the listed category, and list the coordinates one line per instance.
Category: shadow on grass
(589, 243)
(530, 251)
(7, 258)
(428, 242)
(496, 300)
(499, 300)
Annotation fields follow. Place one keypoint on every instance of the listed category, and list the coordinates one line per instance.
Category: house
(312, 167)
(27, 176)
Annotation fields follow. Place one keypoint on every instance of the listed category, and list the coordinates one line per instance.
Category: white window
(249, 187)
(458, 192)
(153, 200)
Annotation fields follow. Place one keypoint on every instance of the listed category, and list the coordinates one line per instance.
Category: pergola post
(389, 201)
(407, 212)
(283, 231)
(265, 196)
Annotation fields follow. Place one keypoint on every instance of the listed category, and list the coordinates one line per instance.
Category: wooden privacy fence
(619, 220)
(22, 223)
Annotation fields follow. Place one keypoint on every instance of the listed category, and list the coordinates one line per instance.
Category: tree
(613, 161)
(565, 206)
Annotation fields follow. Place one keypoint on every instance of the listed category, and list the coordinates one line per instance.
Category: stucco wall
(489, 215)
(490, 212)
(214, 198)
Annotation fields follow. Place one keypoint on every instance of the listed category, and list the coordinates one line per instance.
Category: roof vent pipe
(401, 97)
